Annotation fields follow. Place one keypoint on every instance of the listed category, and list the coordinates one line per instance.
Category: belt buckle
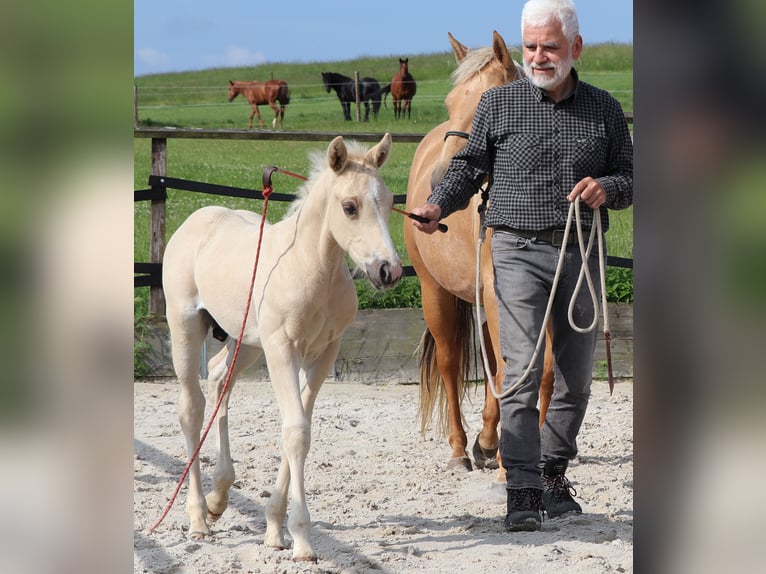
(557, 237)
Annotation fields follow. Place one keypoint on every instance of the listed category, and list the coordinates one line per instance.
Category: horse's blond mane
(318, 163)
(474, 62)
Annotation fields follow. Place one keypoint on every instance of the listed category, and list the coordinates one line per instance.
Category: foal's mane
(318, 160)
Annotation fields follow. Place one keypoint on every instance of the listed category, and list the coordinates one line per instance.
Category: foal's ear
(378, 155)
(337, 154)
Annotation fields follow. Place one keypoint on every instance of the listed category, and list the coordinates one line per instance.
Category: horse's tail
(385, 90)
(284, 93)
(431, 383)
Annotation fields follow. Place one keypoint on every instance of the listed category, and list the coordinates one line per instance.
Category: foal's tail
(431, 382)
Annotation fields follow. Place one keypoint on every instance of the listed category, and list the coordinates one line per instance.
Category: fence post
(356, 91)
(135, 106)
(159, 167)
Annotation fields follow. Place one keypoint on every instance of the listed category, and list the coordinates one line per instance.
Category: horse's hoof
(197, 535)
(305, 559)
(212, 516)
(460, 463)
(484, 457)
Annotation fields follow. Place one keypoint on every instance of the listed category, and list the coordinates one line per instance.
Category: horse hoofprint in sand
(303, 300)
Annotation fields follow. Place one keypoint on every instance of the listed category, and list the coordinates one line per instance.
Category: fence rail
(150, 274)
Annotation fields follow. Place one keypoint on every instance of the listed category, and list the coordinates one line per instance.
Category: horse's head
(326, 80)
(233, 91)
(478, 70)
(359, 206)
(404, 65)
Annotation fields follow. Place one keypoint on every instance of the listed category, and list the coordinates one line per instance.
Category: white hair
(538, 13)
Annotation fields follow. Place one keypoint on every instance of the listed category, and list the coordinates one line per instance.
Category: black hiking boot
(523, 510)
(557, 490)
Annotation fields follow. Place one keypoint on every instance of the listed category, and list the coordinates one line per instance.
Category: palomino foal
(303, 300)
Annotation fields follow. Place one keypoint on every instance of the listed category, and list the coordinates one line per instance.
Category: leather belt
(552, 235)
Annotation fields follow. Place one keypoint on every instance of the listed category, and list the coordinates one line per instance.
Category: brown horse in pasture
(403, 89)
(445, 263)
(258, 93)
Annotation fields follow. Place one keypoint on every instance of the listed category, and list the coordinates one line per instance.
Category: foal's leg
(223, 476)
(188, 330)
(296, 407)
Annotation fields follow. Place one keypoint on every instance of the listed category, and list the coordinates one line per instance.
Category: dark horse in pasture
(403, 89)
(345, 87)
(258, 93)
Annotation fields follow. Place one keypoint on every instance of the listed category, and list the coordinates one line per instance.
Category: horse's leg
(188, 330)
(223, 476)
(276, 114)
(546, 382)
(252, 114)
(366, 111)
(258, 113)
(485, 446)
(440, 313)
(296, 407)
(346, 110)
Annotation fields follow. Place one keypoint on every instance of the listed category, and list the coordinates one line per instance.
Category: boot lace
(560, 487)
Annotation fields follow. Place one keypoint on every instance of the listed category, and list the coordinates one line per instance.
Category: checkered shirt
(536, 151)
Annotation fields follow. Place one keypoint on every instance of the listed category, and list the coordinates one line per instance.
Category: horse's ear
(231, 82)
(337, 154)
(460, 50)
(379, 154)
(501, 51)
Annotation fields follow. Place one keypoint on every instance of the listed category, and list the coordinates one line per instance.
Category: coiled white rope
(574, 209)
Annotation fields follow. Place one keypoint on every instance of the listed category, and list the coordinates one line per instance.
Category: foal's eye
(349, 208)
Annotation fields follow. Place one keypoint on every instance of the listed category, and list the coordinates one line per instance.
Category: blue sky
(182, 35)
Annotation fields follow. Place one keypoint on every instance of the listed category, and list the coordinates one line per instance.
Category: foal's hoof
(212, 516)
(460, 463)
(198, 535)
(484, 457)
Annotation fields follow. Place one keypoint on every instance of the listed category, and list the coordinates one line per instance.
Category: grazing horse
(446, 266)
(345, 88)
(303, 299)
(258, 93)
(403, 89)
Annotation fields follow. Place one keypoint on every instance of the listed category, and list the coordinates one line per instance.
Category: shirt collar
(538, 93)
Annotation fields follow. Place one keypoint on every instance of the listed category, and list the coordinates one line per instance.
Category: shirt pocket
(523, 151)
(589, 154)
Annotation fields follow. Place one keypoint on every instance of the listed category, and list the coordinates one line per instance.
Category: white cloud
(151, 57)
(236, 56)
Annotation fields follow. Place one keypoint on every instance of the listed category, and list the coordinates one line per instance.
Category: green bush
(619, 285)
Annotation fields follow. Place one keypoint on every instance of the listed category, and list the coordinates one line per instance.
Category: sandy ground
(380, 497)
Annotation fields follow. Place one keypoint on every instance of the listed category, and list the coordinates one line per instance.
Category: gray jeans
(524, 272)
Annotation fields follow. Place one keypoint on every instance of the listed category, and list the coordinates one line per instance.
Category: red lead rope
(267, 190)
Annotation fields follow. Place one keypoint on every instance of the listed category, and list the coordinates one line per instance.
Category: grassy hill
(198, 99)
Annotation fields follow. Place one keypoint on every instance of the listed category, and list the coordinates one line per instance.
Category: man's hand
(432, 213)
(590, 191)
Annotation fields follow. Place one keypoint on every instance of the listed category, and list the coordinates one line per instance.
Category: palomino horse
(446, 267)
(403, 89)
(345, 88)
(258, 93)
(303, 299)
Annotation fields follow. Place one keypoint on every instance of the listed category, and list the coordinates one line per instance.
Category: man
(543, 141)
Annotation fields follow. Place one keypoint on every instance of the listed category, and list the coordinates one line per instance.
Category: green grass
(198, 99)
